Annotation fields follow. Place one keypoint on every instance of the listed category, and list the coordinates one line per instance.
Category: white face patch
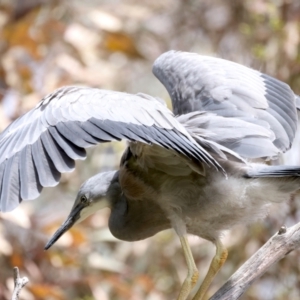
(92, 208)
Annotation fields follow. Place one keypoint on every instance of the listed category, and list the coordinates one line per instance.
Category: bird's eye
(84, 199)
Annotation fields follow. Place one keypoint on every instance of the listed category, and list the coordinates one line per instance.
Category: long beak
(72, 218)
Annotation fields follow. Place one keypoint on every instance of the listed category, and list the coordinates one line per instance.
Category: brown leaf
(45, 291)
(18, 33)
(145, 281)
(25, 32)
(78, 236)
(16, 259)
(120, 286)
(120, 41)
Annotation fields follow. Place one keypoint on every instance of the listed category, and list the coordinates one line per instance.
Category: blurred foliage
(111, 45)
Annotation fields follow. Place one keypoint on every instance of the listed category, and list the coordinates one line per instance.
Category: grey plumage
(201, 171)
(246, 139)
(298, 102)
(61, 134)
(273, 171)
(230, 90)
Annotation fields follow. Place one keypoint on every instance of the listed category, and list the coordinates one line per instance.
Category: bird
(201, 169)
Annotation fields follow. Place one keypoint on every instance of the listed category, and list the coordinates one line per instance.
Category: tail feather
(274, 171)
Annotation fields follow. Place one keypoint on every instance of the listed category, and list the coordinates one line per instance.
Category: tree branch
(19, 283)
(277, 247)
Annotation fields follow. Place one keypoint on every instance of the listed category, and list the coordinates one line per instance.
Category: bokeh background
(112, 44)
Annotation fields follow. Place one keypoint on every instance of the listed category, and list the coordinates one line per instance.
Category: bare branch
(277, 247)
(19, 283)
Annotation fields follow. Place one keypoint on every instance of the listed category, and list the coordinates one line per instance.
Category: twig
(277, 247)
(19, 283)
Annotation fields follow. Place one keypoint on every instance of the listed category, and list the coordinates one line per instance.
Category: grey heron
(200, 170)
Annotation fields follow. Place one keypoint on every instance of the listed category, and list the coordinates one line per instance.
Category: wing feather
(71, 119)
(283, 122)
(95, 131)
(10, 184)
(72, 132)
(229, 136)
(200, 83)
(2, 171)
(70, 149)
(62, 162)
(47, 173)
(30, 189)
(108, 130)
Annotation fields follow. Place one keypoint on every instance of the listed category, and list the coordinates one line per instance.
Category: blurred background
(112, 44)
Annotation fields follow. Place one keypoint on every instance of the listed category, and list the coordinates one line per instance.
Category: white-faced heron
(201, 171)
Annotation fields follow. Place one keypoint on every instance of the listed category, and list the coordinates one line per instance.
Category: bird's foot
(216, 264)
(193, 273)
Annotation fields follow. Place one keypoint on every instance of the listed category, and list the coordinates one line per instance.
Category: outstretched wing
(232, 91)
(229, 136)
(42, 144)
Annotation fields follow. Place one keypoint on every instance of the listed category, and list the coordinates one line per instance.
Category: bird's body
(201, 172)
(212, 203)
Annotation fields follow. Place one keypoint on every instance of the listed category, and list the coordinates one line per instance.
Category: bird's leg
(193, 273)
(216, 264)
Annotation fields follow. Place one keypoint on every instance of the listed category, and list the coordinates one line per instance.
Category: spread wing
(42, 144)
(231, 91)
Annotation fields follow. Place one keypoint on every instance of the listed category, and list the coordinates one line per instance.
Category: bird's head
(93, 195)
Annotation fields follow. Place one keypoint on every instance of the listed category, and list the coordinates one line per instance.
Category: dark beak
(72, 218)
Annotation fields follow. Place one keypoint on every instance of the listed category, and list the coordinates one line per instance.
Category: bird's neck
(133, 220)
(119, 206)
(118, 217)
